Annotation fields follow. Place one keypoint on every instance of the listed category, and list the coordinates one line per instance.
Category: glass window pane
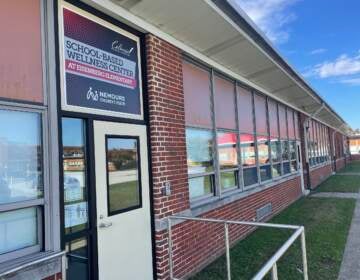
(286, 166)
(282, 121)
(248, 157)
(197, 95)
(275, 150)
(290, 121)
(273, 119)
(21, 170)
(250, 176)
(265, 172)
(292, 150)
(296, 120)
(225, 103)
(199, 146)
(245, 110)
(263, 150)
(123, 174)
(228, 180)
(74, 166)
(77, 256)
(276, 170)
(227, 150)
(18, 229)
(261, 115)
(285, 150)
(200, 186)
(293, 166)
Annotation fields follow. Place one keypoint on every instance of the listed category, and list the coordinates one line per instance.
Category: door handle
(105, 225)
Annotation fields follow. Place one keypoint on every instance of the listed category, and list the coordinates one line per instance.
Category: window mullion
(255, 138)
(238, 144)
(217, 187)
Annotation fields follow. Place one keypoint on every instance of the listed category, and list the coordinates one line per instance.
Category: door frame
(89, 119)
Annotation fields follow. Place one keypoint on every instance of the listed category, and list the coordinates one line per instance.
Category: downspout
(307, 165)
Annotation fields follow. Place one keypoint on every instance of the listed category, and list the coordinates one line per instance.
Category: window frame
(42, 205)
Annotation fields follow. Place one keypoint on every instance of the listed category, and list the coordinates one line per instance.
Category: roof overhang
(221, 35)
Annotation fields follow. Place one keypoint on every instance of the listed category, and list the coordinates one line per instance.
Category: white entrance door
(122, 198)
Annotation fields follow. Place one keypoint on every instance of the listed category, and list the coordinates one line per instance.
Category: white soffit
(199, 25)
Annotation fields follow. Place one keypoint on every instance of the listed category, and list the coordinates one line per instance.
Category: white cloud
(272, 16)
(344, 65)
(318, 51)
(352, 81)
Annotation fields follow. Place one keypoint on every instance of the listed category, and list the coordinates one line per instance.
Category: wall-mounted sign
(101, 71)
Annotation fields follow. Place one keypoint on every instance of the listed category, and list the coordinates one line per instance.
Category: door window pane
(228, 180)
(245, 110)
(18, 229)
(197, 95)
(250, 176)
(74, 166)
(227, 150)
(263, 150)
(21, 168)
(225, 103)
(248, 157)
(77, 256)
(123, 170)
(200, 186)
(199, 145)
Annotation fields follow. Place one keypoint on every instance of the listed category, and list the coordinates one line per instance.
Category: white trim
(82, 109)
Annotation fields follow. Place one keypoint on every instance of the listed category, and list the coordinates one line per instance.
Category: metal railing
(38, 261)
(270, 265)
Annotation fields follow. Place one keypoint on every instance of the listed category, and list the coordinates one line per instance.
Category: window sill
(312, 168)
(207, 204)
(22, 264)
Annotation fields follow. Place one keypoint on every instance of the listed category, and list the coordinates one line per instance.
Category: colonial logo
(92, 94)
(118, 47)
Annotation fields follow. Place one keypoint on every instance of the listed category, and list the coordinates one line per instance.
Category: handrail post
(303, 250)
(171, 272)
(274, 272)
(227, 246)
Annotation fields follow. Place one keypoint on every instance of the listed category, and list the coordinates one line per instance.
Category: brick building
(115, 115)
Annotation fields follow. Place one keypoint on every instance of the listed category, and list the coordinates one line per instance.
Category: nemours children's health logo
(105, 97)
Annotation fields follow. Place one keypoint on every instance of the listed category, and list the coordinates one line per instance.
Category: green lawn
(326, 222)
(351, 167)
(341, 183)
(123, 195)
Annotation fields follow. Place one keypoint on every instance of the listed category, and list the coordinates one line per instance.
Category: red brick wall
(54, 277)
(340, 164)
(355, 157)
(194, 244)
(318, 175)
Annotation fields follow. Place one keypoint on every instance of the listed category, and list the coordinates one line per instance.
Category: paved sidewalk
(348, 174)
(350, 266)
(336, 195)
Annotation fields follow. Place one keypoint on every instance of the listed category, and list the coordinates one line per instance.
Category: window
(233, 136)
(21, 183)
(318, 143)
(199, 145)
(75, 179)
(224, 93)
(77, 256)
(123, 174)
(262, 135)
(247, 136)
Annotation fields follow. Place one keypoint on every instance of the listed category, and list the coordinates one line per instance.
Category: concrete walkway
(336, 195)
(348, 174)
(350, 265)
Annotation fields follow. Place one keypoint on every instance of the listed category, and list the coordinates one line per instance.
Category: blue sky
(321, 39)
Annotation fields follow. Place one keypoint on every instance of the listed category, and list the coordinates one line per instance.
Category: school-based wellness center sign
(101, 67)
